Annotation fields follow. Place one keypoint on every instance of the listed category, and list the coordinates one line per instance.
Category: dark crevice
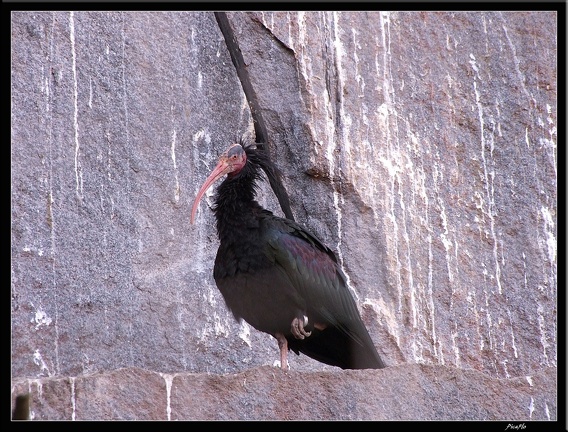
(22, 407)
(260, 129)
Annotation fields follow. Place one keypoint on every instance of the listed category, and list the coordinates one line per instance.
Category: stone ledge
(406, 392)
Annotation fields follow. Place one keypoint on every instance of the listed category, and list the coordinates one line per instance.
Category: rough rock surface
(405, 392)
(420, 146)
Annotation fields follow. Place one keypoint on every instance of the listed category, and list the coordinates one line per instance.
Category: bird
(278, 276)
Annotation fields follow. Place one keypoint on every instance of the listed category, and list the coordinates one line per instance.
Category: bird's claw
(298, 329)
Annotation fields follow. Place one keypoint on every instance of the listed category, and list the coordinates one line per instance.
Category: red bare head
(231, 162)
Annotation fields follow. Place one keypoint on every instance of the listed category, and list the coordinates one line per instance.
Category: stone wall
(420, 146)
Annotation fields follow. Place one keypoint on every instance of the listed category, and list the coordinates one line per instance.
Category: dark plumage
(279, 277)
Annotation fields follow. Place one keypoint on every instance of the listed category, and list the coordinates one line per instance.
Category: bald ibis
(277, 276)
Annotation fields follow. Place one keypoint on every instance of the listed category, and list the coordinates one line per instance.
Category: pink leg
(283, 345)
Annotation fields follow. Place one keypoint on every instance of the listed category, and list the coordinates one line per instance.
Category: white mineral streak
(51, 202)
(173, 154)
(401, 203)
(391, 160)
(334, 142)
(217, 324)
(486, 203)
(168, 378)
(488, 170)
(40, 318)
(38, 360)
(90, 103)
(244, 333)
(39, 389)
(546, 410)
(201, 155)
(550, 237)
(73, 402)
(78, 169)
(516, 61)
(550, 143)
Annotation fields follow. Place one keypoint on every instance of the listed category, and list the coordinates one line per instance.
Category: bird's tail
(334, 347)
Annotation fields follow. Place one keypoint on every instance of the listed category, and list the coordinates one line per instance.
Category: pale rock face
(420, 146)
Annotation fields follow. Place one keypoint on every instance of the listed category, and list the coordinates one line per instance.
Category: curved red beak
(222, 168)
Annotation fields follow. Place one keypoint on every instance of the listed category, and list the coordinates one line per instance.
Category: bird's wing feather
(313, 270)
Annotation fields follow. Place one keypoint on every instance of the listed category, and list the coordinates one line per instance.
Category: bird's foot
(298, 327)
(277, 364)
